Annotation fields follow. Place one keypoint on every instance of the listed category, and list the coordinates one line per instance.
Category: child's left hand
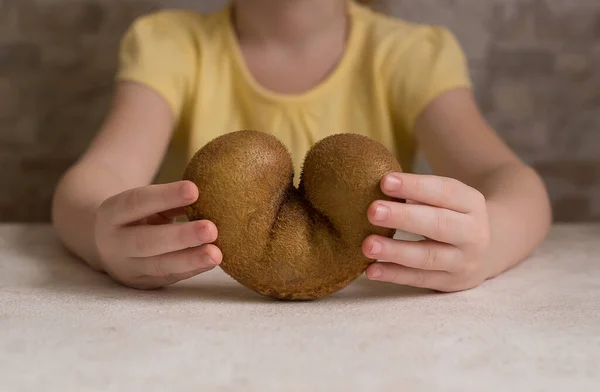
(449, 214)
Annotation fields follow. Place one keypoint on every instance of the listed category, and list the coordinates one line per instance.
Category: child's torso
(226, 97)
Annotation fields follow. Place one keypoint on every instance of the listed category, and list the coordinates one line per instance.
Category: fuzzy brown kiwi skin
(283, 242)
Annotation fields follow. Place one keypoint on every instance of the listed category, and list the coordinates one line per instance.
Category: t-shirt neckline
(333, 76)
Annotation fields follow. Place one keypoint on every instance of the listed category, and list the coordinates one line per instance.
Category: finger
(186, 275)
(152, 282)
(139, 203)
(179, 263)
(153, 240)
(433, 190)
(426, 255)
(398, 274)
(435, 223)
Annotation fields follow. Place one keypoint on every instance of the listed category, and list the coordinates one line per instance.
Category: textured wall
(536, 64)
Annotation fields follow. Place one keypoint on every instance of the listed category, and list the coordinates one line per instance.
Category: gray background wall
(536, 65)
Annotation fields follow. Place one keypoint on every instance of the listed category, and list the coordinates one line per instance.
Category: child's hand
(453, 218)
(141, 246)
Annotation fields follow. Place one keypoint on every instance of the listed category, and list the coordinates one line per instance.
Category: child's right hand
(141, 246)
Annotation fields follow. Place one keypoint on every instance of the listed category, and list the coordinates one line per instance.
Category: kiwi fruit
(281, 241)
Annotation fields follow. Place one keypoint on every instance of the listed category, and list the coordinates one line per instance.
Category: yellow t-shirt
(390, 71)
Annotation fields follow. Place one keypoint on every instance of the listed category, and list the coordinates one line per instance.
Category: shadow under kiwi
(361, 289)
(364, 289)
(219, 290)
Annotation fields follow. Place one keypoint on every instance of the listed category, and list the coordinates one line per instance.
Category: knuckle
(481, 236)
(406, 214)
(394, 252)
(448, 187)
(431, 258)
(392, 275)
(132, 199)
(419, 278)
(456, 259)
(420, 185)
(441, 222)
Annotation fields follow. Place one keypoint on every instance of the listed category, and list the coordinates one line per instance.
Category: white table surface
(64, 327)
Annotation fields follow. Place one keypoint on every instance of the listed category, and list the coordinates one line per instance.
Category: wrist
(498, 256)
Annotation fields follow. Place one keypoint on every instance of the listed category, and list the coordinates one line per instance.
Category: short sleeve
(158, 51)
(432, 63)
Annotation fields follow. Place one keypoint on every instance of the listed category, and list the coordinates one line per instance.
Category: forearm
(78, 195)
(519, 213)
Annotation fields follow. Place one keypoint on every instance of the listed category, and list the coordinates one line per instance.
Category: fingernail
(376, 247)
(208, 262)
(381, 213)
(392, 183)
(186, 191)
(376, 273)
(203, 233)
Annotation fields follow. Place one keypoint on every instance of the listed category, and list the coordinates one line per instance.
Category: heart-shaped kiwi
(286, 242)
